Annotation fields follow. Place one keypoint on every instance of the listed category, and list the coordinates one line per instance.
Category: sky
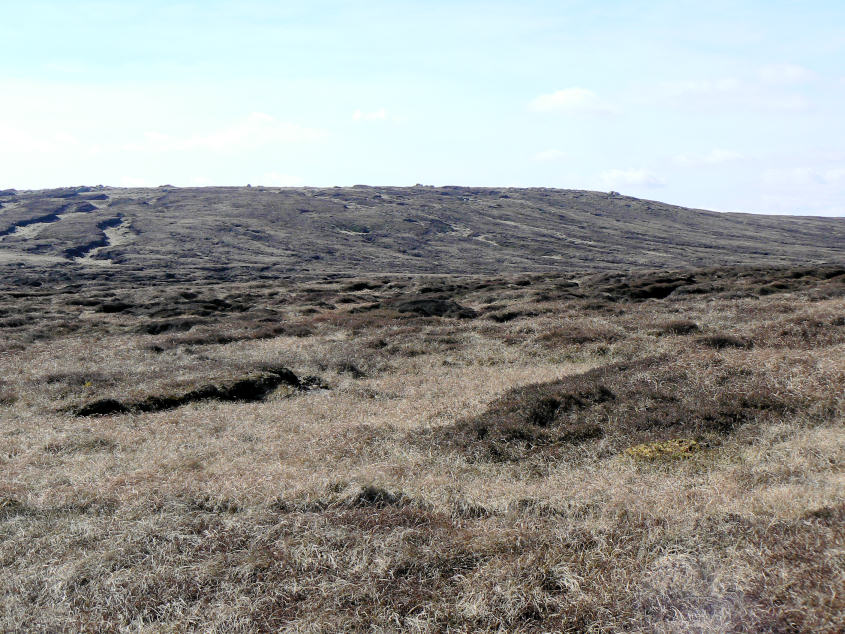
(725, 105)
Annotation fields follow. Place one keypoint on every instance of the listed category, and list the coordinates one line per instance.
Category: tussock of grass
(680, 327)
(7, 397)
(10, 507)
(721, 341)
(580, 333)
(81, 443)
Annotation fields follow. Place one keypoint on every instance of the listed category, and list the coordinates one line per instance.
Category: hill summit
(242, 232)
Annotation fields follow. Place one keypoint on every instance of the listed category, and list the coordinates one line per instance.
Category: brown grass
(635, 478)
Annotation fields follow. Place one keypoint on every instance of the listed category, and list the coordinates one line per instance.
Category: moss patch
(675, 449)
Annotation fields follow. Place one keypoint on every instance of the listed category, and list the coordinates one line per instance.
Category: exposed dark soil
(249, 388)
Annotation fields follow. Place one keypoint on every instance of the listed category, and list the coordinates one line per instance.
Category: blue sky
(733, 106)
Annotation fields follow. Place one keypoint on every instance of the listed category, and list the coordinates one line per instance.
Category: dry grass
(633, 477)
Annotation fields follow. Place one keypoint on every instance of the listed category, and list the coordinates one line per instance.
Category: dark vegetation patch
(723, 282)
(680, 327)
(83, 301)
(205, 503)
(174, 306)
(79, 379)
(253, 387)
(354, 228)
(113, 307)
(402, 307)
(641, 287)
(169, 325)
(15, 322)
(722, 341)
(510, 315)
(363, 285)
(377, 497)
(650, 400)
(10, 507)
(348, 299)
(366, 496)
(431, 307)
(577, 334)
(8, 396)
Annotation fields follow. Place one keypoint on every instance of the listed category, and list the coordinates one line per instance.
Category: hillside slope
(238, 232)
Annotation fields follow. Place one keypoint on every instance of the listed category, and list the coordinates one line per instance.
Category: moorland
(531, 410)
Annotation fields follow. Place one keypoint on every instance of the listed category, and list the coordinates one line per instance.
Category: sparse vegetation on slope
(241, 234)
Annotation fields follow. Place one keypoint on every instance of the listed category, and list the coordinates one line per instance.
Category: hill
(228, 233)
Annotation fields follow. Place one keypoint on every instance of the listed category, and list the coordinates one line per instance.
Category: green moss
(675, 449)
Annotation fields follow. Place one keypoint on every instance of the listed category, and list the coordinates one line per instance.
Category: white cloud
(67, 67)
(256, 130)
(729, 92)
(19, 141)
(713, 157)
(550, 155)
(787, 102)
(702, 87)
(804, 176)
(804, 200)
(630, 178)
(375, 115)
(579, 100)
(785, 74)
